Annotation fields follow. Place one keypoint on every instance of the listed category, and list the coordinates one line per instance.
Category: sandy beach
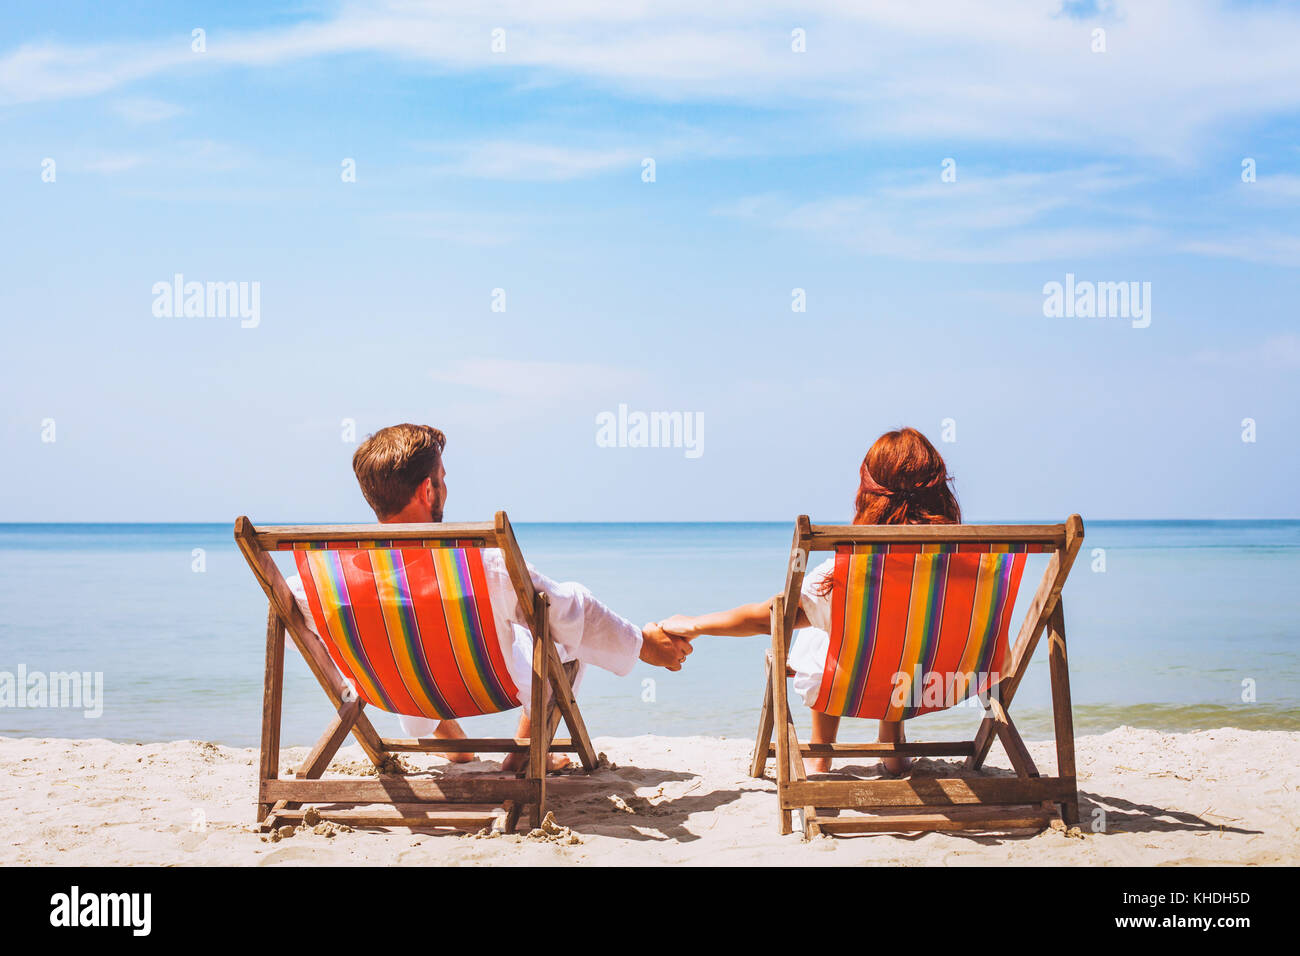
(1213, 797)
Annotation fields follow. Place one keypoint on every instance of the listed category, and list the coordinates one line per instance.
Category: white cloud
(1279, 352)
(141, 110)
(749, 207)
(199, 154)
(1176, 72)
(1274, 188)
(529, 160)
(109, 163)
(456, 226)
(514, 160)
(1268, 248)
(536, 380)
(980, 218)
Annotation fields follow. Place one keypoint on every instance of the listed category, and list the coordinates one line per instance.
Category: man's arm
(593, 633)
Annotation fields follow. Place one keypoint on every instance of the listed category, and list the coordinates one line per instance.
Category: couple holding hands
(902, 480)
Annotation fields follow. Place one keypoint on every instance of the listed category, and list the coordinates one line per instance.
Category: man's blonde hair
(393, 462)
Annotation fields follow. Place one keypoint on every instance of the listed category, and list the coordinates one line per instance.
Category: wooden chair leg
(798, 770)
(553, 710)
(318, 759)
(781, 710)
(553, 713)
(1063, 718)
(811, 828)
(537, 744)
(562, 677)
(758, 763)
(1012, 742)
(513, 809)
(272, 698)
(320, 756)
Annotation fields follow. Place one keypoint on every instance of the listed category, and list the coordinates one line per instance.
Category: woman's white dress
(810, 645)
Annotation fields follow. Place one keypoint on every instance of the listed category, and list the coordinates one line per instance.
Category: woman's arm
(743, 621)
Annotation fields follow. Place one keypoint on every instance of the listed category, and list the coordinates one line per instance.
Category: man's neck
(408, 515)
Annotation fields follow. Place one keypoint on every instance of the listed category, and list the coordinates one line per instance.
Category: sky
(448, 216)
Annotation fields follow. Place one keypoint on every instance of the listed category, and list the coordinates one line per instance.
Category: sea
(1171, 625)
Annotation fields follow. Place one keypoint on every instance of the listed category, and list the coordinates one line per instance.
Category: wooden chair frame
(954, 803)
(280, 800)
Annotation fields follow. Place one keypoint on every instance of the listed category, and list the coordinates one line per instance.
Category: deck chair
(920, 621)
(404, 614)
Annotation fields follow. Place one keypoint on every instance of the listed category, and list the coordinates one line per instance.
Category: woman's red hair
(903, 480)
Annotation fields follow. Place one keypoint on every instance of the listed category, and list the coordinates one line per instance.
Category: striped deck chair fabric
(409, 624)
(917, 628)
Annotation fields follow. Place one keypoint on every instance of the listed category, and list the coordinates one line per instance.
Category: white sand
(1214, 797)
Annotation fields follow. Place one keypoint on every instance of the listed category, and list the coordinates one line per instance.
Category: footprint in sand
(191, 839)
(290, 854)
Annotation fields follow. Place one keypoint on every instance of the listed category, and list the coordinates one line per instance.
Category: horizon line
(985, 521)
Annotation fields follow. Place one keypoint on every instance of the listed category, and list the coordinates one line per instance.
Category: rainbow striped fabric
(917, 628)
(371, 545)
(411, 627)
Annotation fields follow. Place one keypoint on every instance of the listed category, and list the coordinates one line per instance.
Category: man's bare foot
(518, 763)
(819, 765)
(450, 730)
(515, 763)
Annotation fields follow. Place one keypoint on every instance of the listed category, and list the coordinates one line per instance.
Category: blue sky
(775, 170)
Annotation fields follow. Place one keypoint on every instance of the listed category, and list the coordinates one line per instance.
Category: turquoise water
(1164, 637)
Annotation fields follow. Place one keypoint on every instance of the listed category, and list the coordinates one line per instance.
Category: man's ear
(425, 491)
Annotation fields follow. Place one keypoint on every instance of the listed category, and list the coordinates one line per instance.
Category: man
(401, 474)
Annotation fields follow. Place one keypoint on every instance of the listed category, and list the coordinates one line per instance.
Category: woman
(903, 480)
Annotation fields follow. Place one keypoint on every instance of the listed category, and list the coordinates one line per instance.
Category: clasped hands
(667, 643)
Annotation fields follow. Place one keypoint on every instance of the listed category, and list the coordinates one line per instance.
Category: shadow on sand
(1109, 814)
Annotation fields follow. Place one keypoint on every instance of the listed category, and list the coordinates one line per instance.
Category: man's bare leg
(824, 729)
(450, 730)
(517, 762)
